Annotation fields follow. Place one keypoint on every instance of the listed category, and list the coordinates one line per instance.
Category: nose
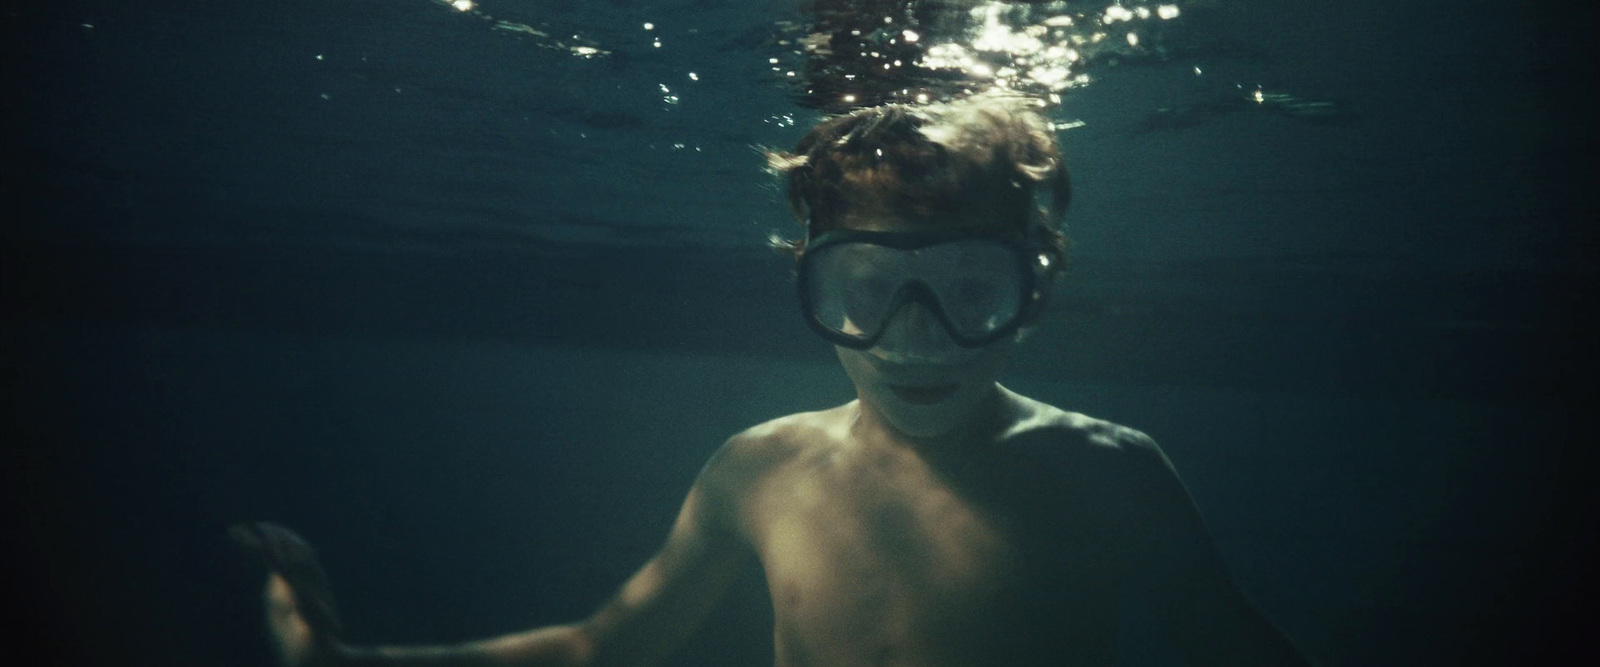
(914, 335)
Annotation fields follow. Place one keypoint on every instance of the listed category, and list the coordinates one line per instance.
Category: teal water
(469, 307)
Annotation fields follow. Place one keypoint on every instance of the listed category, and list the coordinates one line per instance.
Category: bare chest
(888, 561)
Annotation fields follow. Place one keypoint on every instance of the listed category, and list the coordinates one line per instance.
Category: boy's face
(916, 375)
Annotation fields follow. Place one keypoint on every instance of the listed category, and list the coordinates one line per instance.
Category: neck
(986, 418)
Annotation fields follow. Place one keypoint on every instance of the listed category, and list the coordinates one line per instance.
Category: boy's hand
(300, 613)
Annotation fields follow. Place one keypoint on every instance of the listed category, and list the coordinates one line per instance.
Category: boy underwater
(939, 519)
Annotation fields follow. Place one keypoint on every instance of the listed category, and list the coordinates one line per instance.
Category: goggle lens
(974, 286)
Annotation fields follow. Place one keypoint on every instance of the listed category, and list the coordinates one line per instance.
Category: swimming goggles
(980, 287)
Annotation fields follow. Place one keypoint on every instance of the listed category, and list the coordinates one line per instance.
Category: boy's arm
(1184, 580)
(659, 606)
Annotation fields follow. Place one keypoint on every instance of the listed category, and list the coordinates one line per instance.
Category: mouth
(924, 395)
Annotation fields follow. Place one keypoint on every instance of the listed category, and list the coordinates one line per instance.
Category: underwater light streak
(853, 55)
(578, 45)
(1040, 54)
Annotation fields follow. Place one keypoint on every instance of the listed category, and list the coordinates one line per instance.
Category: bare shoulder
(1084, 457)
(758, 452)
(1100, 464)
(1039, 424)
(774, 442)
(754, 461)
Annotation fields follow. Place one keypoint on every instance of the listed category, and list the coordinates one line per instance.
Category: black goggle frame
(1032, 269)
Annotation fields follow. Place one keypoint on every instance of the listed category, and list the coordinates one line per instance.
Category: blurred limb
(301, 619)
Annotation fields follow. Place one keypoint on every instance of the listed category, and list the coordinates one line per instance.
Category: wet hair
(987, 154)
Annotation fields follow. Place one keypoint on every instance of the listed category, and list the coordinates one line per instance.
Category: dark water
(469, 308)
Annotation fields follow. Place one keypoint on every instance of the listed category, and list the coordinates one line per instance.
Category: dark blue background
(475, 341)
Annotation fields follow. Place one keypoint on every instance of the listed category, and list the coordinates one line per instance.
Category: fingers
(290, 632)
(294, 567)
(279, 547)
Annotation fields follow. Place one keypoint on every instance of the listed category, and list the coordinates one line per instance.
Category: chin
(928, 421)
(976, 380)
